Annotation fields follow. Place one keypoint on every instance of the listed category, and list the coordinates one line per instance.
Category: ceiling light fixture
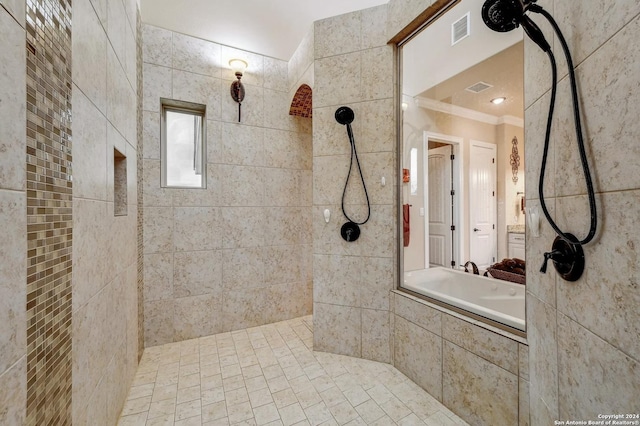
(498, 101)
(237, 88)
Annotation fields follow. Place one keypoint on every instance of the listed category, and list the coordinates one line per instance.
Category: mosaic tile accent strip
(139, 160)
(49, 212)
(301, 104)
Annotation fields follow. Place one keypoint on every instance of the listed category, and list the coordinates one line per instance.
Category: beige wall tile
(375, 335)
(377, 66)
(377, 280)
(373, 26)
(244, 308)
(418, 355)
(12, 101)
(337, 35)
(156, 45)
(158, 322)
(537, 70)
(158, 230)
(337, 280)
(157, 84)
(242, 145)
(479, 392)
(402, 12)
(337, 80)
(13, 275)
(337, 329)
(418, 313)
(151, 135)
(196, 55)
(601, 378)
(243, 268)
(252, 106)
(493, 347)
(242, 185)
(197, 272)
(200, 89)
(244, 227)
(605, 299)
(17, 9)
(197, 316)
(254, 75)
(523, 403)
(13, 402)
(542, 286)
(523, 361)
(197, 228)
(276, 74)
(90, 73)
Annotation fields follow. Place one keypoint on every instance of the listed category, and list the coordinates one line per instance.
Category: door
(440, 206)
(482, 204)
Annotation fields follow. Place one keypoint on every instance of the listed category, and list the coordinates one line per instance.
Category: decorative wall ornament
(514, 159)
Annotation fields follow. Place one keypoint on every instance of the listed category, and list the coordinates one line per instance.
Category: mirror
(462, 155)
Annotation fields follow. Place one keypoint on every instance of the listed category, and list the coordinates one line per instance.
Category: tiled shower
(277, 173)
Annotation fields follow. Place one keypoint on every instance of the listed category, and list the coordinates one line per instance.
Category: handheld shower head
(502, 15)
(506, 15)
(344, 115)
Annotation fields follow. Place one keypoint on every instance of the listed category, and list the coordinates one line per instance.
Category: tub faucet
(473, 265)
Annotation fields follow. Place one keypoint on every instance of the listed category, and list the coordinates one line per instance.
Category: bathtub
(497, 300)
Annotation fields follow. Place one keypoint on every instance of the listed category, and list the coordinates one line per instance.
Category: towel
(406, 227)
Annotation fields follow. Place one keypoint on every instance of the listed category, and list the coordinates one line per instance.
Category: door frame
(494, 147)
(458, 187)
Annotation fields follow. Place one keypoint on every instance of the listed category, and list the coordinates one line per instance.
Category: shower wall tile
(534, 129)
(214, 141)
(157, 46)
(418, 355)
(90, 74)
(373, 34)
(157, 84)
(476, 390)
(333, 170)
(90, 129)
(242, 185)
(377, 66)
(302, 61)
(587, 382)
(13, 412)
(418, 313)
(289, 300)
(543, 360)
(490, 346)
(276, 74)
(610, 285)
(197, 316)
(329, 137)
(90, 238)
(524, 418)
(197, 272)
(200, 89)
(196, 55)
(606, 127)
(281, 264)
(375, 166)
(153, 194)
(121, 99)
(242, 145)
(244, 227)
(380, 125)
(287, 150)
(158, 322)
(376, 282)
(158, 230)
(376, 334)
(337, 329)
(243, 268)
(13, 275)
(337, 280)
(338, 80)
(589, 27)
(337, 35)
(197, 228)
(117, 24)
(12, 102)
(16, 9)
(158, 273)
(244, 309)
(523, 361)
(276, 105)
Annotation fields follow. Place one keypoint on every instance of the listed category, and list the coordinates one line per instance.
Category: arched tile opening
(301, 103)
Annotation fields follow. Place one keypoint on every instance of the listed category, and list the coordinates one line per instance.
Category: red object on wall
(406, 225)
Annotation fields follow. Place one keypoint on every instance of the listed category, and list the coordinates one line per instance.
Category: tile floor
(270, 375)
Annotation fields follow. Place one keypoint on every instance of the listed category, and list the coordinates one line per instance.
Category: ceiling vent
(478, 87)
(460, 29)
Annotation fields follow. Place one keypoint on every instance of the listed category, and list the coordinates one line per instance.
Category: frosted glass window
(183, 147)
(414, 171)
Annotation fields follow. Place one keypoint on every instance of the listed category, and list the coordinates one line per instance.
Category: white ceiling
(268, 27)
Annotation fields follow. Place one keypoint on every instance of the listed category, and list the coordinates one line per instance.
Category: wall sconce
(237, 88)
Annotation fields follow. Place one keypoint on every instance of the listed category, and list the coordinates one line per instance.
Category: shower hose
(354, 154)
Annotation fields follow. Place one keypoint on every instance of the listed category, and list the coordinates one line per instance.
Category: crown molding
(470, 114)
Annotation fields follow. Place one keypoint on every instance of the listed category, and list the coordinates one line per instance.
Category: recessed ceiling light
(498, 101)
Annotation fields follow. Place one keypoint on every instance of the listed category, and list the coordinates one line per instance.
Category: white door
(482, 204)
(440, 210)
